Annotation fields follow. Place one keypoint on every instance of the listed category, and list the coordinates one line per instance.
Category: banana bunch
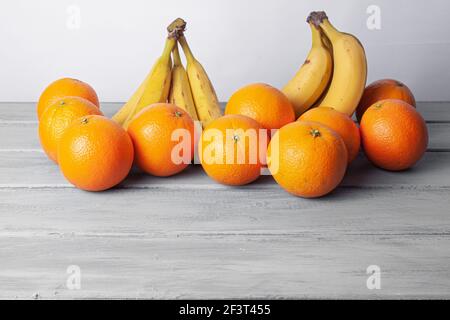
(189, 89)
(334, 73)
(155, 87)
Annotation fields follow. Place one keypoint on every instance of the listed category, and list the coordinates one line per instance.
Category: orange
(163, 138)
(95, 153)
(339, 122)
(307, 159)
(233, 149)
(263, 103)
(57, 117)
(381, 90)
(394, 135)
(62, 88)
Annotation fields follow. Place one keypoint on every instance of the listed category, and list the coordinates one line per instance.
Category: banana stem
(187, 51)
(178, 25)
(176, 56)
(316, 36)
(168, 47)
(319, 18)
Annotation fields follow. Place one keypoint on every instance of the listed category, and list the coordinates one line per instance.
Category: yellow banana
(350, 67)
(180, 91)
(329, 47)
(155, 87)
(311, 80)
(130, 105)
(326, 42)
(205, 98)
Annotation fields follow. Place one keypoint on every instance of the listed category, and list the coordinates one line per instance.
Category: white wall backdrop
(239, 42)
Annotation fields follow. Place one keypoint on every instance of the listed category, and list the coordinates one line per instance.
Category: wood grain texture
(159, 245)
(188, 237)
(35, 170)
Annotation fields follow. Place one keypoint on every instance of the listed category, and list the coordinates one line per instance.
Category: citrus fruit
(62, 88)
(95, 153)
(393, 134)
(57, 117)
(233, 149)
(263, 103)
(381, 90)
(341, 123)
(163, 138)
(307, 159)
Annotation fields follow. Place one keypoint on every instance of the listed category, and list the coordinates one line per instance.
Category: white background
(238, 42)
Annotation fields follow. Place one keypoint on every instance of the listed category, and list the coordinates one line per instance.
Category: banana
(329, 47)
(350, 67)
(130, 105)
(205, 98)
(311, 80)
(326, 42)
(155, 88)
(180, 91)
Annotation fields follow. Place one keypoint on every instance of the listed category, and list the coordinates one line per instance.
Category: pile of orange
(308, 157)
(94, 153)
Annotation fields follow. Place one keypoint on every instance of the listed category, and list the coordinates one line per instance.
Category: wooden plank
(140, 213)
(19, 136)
(34, 170)
(266, 244)
(435, 111)
(439, 136)
(26, 111)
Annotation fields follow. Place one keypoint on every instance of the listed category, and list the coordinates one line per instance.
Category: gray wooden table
(188, 237)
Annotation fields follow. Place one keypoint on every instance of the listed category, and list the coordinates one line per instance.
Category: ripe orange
(57, 117)
(340, 123)
(307, 159)
(233, 149)
(381, 90)
(62, 88)
(263, 103)
(394, 135)
(159, 149)
(95, 153)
